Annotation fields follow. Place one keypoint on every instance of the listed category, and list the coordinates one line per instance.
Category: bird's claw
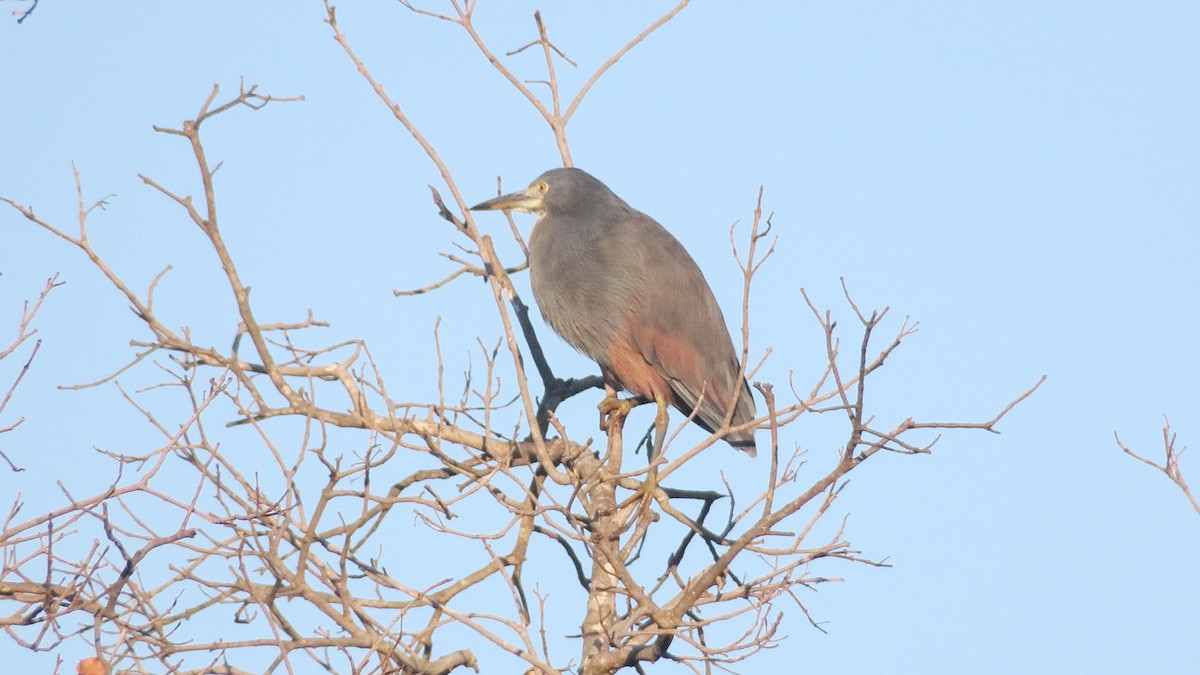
(615, 409)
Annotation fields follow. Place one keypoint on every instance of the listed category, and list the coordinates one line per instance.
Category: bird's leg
(650, 485)
(660, 428)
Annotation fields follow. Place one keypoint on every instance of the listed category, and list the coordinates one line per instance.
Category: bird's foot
(614, 409)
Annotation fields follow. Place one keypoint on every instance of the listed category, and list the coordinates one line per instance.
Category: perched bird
(622, 290)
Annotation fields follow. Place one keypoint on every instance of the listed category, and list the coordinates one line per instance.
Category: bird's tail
(745, 412)
(712, 413)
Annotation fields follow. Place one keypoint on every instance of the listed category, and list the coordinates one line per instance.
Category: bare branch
(1170, 466)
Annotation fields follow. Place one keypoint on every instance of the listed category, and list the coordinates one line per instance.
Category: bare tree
(279, 553)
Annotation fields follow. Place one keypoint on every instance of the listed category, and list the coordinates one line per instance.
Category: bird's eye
(542, 187)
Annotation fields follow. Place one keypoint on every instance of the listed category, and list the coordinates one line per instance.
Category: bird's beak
(528, 200)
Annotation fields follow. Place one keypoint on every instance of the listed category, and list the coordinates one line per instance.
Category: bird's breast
(583, 290)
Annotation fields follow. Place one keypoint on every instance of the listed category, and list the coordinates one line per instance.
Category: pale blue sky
(1021, 178)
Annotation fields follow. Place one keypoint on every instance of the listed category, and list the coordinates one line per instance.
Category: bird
(622, 290)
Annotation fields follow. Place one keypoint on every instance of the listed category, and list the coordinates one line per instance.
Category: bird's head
(556, 191)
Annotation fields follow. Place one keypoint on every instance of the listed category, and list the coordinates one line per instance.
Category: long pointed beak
(527, 200)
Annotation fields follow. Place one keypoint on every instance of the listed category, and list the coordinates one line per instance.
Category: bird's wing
(678, 327)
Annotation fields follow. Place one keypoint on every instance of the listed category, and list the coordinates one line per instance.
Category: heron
(622, 290)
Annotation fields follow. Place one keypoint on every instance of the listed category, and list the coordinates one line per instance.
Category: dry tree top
(556, 553)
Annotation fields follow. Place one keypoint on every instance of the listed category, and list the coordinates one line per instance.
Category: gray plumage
(622, 290)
